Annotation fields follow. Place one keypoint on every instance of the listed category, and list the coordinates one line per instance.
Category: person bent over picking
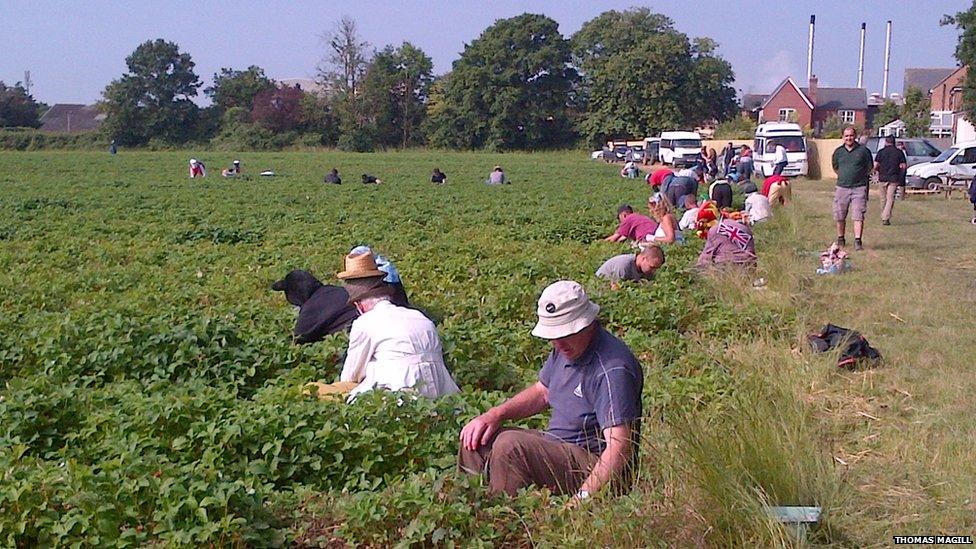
(592, 382)
(390, 347)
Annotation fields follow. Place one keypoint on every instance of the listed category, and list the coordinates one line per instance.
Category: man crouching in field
(592, 382)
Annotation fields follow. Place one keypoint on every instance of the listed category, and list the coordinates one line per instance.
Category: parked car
(638, 153)
(917, 149)
(620, 151)
(652, 150)
(955, 164)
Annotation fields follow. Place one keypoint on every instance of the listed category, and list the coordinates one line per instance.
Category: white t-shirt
(688, 219)
(780, 155)
(758, 207)
(394, 348)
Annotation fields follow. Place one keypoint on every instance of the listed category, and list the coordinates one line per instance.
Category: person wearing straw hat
(390, 347)
(591, 382)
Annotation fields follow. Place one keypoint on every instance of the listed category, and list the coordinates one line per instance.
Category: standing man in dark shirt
(852, 162)
(890, 163)
(592, 384)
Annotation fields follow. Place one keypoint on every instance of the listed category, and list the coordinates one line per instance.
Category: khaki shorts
(855, 199)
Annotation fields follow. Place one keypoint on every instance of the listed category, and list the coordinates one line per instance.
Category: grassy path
(902, 435)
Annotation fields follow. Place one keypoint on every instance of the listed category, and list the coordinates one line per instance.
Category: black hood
(298, 287)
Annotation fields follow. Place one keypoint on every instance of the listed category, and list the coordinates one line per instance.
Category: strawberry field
(150, 392)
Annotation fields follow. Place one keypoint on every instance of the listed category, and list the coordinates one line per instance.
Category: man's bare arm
(613, 460)
(531, 401)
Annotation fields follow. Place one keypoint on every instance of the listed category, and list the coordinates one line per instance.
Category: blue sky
(73, 49)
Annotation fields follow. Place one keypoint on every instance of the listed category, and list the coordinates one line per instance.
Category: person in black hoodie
(323, 309)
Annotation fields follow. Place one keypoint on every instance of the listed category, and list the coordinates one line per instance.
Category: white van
(789, 135)
(680, 148)
(955, 164)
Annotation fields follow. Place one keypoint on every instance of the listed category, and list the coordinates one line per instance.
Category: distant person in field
(721, 192)
(675, 188)
(637, 267)
(744, 167)
(728, 152)
(197, 168)
(777, 189)
(780, 160)
(890, 164)
(972, 198)
(390, 347)
(497, 176)
(852, 163)
(757, 206)
(233, 171)
(657, 178)
(323, 309)
(112, 149)
(633, 226)
(629, 170)
(728, 243)
(667, 227)
(592, 383)
(332, 178)
(689, 218)
(438, 177)
(369, 179)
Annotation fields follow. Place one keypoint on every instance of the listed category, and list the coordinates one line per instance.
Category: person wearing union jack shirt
(728, 243)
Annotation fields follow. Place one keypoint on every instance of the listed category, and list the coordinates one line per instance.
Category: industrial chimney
(860, 61)
(813, 19)
(884, 84)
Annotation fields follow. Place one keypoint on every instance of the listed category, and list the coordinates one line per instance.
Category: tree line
(521, 85)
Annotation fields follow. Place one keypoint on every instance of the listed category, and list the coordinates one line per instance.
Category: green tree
(965, 21)
(888, 112)
(17, 108)
(397, 85)
(739, 127)
(234, 88)
(641, 76)
(510, 89)
(916, 112)
(152, 100)
(342, 73)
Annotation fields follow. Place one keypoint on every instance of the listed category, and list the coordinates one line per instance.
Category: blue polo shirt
(600, 389)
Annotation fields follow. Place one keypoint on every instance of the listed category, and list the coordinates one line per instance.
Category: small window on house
(846, 116)
(786, 115)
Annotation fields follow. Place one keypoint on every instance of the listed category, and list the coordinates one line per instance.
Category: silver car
(917, 150)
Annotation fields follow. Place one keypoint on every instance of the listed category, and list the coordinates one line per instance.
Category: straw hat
(564, 309)
(359, 266)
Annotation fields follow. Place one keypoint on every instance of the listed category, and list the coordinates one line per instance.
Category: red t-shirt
(657, 178)
(768, 182)
(636, 226)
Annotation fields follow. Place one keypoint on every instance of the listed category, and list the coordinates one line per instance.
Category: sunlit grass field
(151, 392)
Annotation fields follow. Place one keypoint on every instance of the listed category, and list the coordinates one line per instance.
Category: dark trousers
(778, 169)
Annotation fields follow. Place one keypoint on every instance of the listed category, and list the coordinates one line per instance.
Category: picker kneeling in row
(390, 347)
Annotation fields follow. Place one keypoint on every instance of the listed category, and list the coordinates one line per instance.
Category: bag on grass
(853, 346)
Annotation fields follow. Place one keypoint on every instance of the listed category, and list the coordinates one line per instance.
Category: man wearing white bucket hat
(591, 381)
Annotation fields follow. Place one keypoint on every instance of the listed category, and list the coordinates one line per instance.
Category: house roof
(67, 117)
(833, 99)
(753, 101)
(925, 79)
(954, 71)
(788, 82)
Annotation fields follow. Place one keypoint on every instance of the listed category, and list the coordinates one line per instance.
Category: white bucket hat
(564, 309)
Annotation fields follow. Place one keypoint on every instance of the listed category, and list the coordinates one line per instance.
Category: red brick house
(946, 98)
(812, 105)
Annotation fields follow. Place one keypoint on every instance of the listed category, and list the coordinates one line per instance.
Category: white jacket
(396, 348)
